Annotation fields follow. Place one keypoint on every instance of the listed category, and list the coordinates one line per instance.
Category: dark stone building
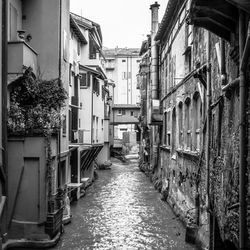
(202, 143)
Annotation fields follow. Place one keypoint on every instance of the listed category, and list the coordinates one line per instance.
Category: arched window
(187, 124)
(168, 129)
(197, 115)
(165, 129)
(173, 129)
(180, 124)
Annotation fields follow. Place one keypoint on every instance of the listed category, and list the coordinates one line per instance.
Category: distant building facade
(122, 65)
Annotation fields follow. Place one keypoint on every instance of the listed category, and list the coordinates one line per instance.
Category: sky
(124, 23)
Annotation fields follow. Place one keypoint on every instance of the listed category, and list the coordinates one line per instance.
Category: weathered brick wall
(224, 161)
(184, 170)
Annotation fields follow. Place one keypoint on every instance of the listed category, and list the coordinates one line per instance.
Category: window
(92, 48)
(93, 128)
(124, 75)
(96, 86)
(103, 92)
(123, 60)
(65, 43)
(180, 124)
(187, 124)
(131, 113)
(168, 129)
(13, 23)
(173, 129)
(70, 74)
(165, 129)
(78, 48)
(64, 125)
(123, 112)
(188, 48)
(83, 80)
(197, 115)
(97, 129)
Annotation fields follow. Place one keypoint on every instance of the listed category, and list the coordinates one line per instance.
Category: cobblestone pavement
(122, 210)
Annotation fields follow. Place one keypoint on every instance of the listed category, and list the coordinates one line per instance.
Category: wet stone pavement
(122, 210)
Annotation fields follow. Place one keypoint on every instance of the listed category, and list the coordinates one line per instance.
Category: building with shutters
(89, 102)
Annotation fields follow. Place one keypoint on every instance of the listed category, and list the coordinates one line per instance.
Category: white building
(122, 66)
(89, 118)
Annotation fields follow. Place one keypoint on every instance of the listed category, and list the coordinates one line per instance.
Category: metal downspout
(92, 108)
(244, 55)
(154, 52)
(208, 126)
(60, 82)
(4, 87)
(4, 31)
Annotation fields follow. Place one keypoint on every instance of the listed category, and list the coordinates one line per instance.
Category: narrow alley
(122, 210)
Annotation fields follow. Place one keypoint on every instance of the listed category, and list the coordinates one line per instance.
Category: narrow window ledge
(188, 154)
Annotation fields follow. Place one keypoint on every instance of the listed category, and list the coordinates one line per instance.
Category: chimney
(154, 17)
(154, 52)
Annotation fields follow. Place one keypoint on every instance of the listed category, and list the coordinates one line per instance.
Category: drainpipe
(244, 56)
(4, 31)
(127, 79)
(208, 126)
(4, 87)
(60, 82)
(92, 104)
(154, 51)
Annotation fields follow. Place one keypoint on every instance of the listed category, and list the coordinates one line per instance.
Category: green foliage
(35, 105)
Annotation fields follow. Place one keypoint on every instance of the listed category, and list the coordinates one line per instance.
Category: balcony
(21, 56)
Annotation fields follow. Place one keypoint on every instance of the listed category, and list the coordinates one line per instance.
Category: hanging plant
(35, 105)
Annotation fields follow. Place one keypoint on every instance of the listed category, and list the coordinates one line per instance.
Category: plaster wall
(98, 112)
(127, 117)
(41, 21)
(16, 7)
(27, 211)
(85, 113)
(125, 91)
